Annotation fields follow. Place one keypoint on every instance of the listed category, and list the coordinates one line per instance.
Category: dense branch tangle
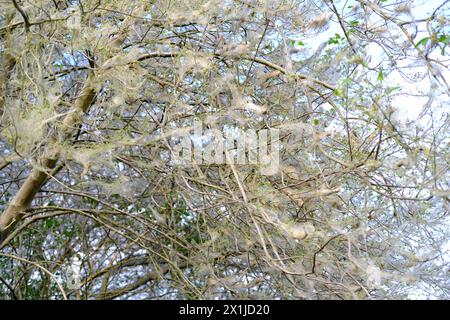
(88, 90)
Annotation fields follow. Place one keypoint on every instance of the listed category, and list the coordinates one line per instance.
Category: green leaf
(392, 89)
(50, 223)
(316, 122)
(338, 92)
(380, 75)
(300, 43)
(443, 38)
(335, 39)
(422, 42)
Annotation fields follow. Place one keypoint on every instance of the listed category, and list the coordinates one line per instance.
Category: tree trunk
(38, 176)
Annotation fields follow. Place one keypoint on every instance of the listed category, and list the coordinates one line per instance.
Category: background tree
(91, 92)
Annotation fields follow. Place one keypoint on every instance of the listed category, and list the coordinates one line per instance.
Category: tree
(95, 95)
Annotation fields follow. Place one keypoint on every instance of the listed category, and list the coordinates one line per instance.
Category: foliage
(90, 89)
